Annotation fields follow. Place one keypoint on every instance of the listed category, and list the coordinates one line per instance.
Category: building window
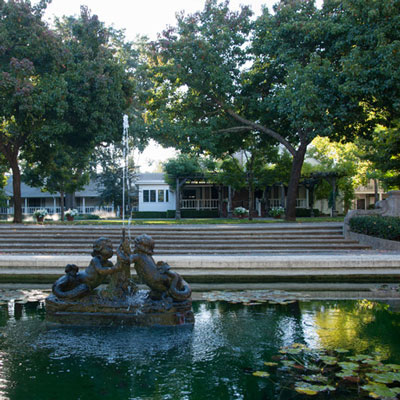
(149, 196)
(161, 196)
(167, 196)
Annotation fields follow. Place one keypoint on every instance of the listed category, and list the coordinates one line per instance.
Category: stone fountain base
(135, 310)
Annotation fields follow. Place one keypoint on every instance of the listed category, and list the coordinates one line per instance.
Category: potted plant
(70, 214)
(240, 212)
(40, 214)
(276, 212)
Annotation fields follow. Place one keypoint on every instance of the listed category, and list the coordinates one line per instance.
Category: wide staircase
(254, 239)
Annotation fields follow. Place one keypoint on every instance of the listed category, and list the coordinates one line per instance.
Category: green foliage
(384, 153)
(63, 170)
(32, 94)
(83, 217)
(381, 227)
(183, 166)
(98, 83)
(171, 214)
(310, 372)
(306, 212)
(110, 178)
(149, 214)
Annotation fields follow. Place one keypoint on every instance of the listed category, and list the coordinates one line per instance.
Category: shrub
(276, 211)
(375, 225)
(149, 214)
(41, 213)
(87, 216)
(199, 213)
(306, 212)
(240, 211)
(71, 213)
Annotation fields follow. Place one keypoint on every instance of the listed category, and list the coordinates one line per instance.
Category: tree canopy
(290, 76)
(63, 92)
(31, 94)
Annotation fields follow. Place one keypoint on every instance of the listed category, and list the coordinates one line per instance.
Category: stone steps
(353, 267)
(180, 239)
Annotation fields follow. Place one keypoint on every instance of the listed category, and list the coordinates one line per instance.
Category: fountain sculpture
(78, 298)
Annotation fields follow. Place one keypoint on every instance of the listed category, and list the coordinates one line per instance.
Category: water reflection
(216, 356)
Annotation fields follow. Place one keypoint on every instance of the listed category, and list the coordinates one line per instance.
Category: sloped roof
(90, 190)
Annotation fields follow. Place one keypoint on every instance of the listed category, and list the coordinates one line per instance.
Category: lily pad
(312, 390)
(261, 374)
(348, 365)
(315, 378)
(329, 360)
(270, 364)
(359, 357)
(288, 363)
(341, 350)
(385, 377)
(380, 391)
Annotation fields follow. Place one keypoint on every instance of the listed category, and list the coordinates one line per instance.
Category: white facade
(154, 194)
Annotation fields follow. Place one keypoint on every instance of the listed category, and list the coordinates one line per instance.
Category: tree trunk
(298, 160)
(251, 202)
(177, 199)
(70, 200)
(376, 190)
(229, 201)
(62, 204)
(16, 191)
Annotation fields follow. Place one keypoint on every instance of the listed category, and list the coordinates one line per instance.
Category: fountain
(79, 298)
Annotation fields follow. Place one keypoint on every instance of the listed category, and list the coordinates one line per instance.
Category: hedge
(81, 217)
(171, 214)
(149, 214)
(306, 212)
(378, 226)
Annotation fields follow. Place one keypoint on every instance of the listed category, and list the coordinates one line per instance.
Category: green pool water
(213, 360)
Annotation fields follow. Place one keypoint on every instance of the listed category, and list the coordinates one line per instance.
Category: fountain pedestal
(135, 310)
(77, 299)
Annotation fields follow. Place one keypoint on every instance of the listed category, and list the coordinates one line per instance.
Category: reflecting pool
(215, 359)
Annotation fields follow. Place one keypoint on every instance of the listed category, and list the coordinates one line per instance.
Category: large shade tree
(295, 74)
(98, 89)
(31, 94)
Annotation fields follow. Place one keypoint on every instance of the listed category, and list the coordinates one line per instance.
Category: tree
(98, 89)
(31, 93)
(111, 176)
(299, 75)
(383, 151)
(3, 180)
(63, 171)
(98, 81)
(206, 97)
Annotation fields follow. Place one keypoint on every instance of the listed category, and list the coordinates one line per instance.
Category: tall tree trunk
(178, 199)
(62, 204)
(251, 202)
(16, 190)
(70, 200)
(298, 160)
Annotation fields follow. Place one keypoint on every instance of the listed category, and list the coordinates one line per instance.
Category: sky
(142, 17)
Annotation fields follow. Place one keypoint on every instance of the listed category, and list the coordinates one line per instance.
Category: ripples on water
(214, 359)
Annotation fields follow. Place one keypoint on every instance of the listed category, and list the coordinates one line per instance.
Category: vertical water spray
(125, 145)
